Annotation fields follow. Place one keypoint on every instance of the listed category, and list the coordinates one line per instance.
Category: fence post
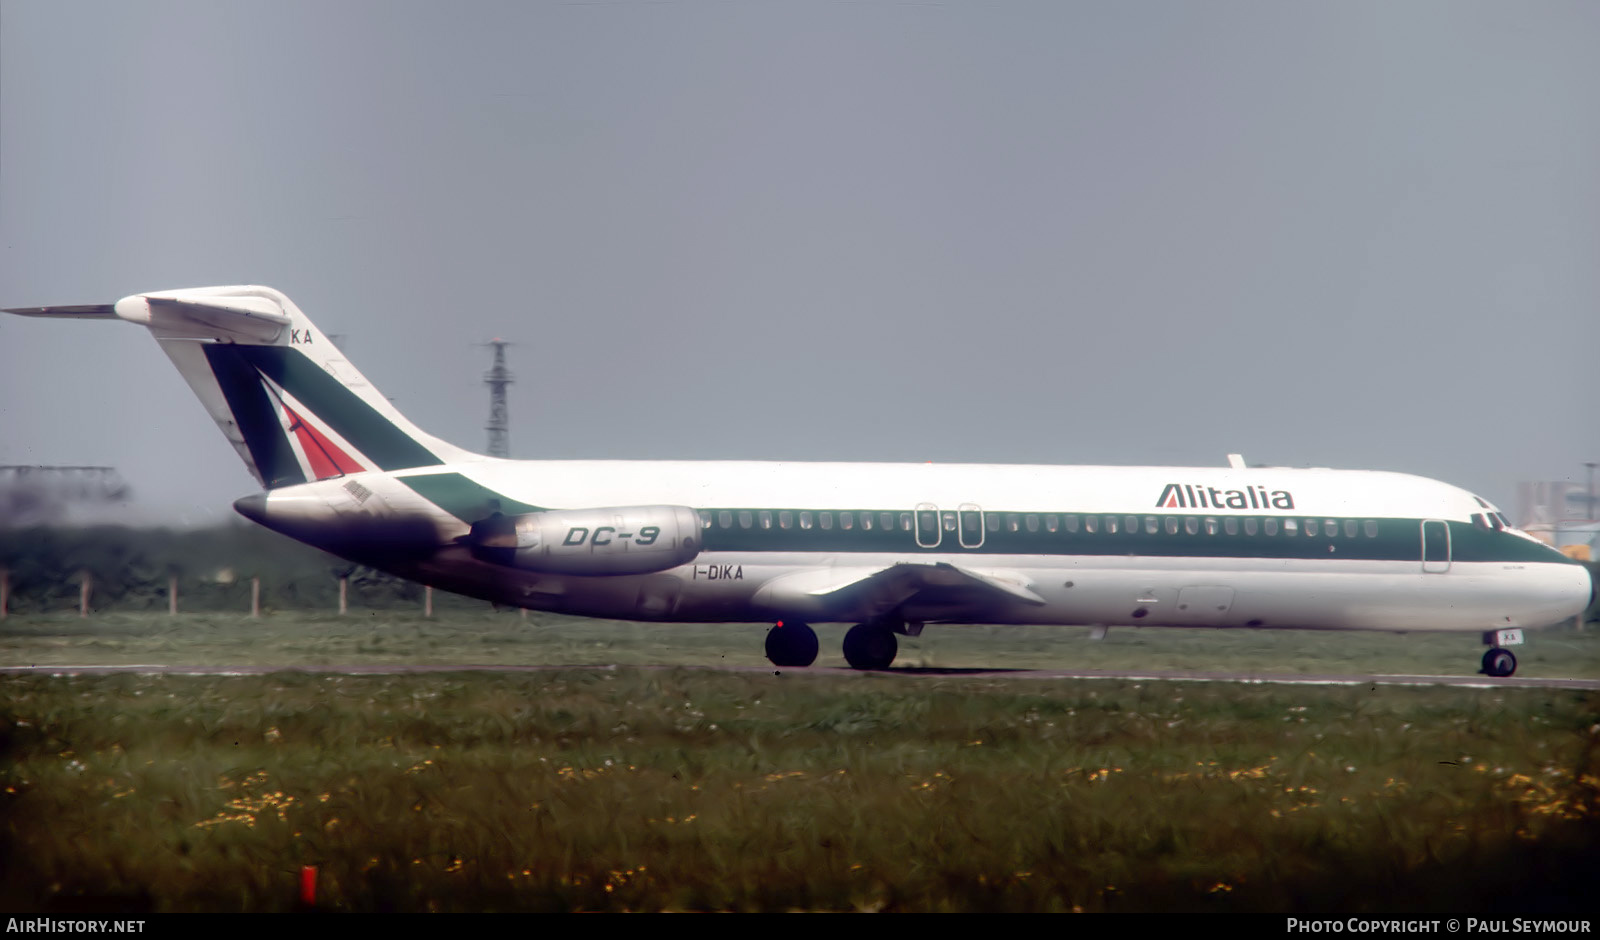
(5, 590)
(172, 595)
(255, 597)
(84, 587)
(344, 594)
(427, 601)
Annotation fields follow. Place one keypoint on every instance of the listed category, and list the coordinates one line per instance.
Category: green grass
(693, 790)
(292, 639)
(647, 789)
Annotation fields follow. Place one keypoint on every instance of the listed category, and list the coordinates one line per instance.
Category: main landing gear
(870, 646)
(792, 644)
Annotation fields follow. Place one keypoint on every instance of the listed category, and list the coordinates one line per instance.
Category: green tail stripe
(255, 415)
(463, 498)
(344, 411)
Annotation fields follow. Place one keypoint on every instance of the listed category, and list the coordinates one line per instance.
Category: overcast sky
(1337, 234)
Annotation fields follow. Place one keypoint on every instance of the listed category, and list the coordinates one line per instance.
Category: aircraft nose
(253, 507)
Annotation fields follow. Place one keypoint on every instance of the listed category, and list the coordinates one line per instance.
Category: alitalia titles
(1188, 496)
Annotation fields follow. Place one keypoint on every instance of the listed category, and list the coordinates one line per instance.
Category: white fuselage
(1270, 547)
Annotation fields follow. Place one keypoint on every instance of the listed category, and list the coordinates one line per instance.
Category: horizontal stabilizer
(78, 312)
(239, 316)
(281, 392)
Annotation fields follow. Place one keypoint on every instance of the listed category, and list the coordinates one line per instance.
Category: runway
(1465, 682)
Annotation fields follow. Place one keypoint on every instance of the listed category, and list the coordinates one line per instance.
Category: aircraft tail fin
(288, 400)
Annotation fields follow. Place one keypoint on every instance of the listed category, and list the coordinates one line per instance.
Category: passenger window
(805, 520)
(826, 519)
(905, 522)
(785, 519)
(1130, 525)
(1211, 525)
(1371, 528)
(1152, 525)
(949, 521)
(1291, 527)
(846, 520)
(1051, 523)
(1349, 528)
(1331, 527)
(1269, 525)
(746, 519)
(1070, 523)
(886, 521)
(1090, 524)
(765, 516)
(1111, 525)
(1250, 525)
(705, 518)
(1191, 525)
(1172, 525)
(1031, 521)
(866, 521)
(1230, 525)
(725, 519)
(1311, 527)
(1012, 522)
(992, 521)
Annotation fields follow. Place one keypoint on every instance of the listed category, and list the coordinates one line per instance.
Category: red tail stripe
(326, 459)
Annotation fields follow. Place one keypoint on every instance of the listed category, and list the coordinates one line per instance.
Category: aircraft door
(1435, 546)
(971, 526)
(927, 525)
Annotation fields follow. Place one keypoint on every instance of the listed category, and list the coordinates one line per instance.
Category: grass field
(386, 637)
(683, 789)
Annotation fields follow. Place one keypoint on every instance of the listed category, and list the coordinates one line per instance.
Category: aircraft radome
(887, 547)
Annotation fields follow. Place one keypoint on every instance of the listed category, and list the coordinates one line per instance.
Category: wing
(909, 591)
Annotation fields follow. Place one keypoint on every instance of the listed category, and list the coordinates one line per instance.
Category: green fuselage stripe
(463, 498)
(1396, 539)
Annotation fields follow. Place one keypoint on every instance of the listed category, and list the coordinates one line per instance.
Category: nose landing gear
(1498, 662)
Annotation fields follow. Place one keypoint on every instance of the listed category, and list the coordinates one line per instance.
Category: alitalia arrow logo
(1187, 496)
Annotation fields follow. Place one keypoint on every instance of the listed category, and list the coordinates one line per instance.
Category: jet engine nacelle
(607, 541)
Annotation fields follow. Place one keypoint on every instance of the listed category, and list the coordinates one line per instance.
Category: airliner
(889, 548)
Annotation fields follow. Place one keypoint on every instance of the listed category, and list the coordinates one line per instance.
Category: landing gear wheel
(869, 646)
(791, 644)
(1499, 662)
